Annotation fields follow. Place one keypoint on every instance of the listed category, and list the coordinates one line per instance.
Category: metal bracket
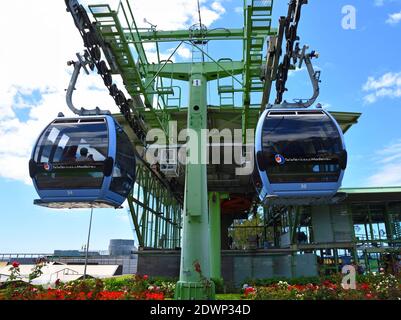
(314, 76)
(83, 62)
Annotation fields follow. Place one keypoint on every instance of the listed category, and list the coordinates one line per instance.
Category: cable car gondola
(300, 155)
(84, 162)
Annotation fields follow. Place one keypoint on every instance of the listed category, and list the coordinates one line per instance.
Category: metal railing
(65, 272)
(9, 256)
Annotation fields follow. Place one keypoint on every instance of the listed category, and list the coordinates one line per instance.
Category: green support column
(215, 233)
(388, 224)
(194, 283)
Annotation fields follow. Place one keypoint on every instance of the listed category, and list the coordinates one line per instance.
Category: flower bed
(368, 287)
(122, 288)
(83, 290)
(375, 287)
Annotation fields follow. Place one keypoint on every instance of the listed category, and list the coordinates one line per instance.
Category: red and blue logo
(48, 166)
(279, 159)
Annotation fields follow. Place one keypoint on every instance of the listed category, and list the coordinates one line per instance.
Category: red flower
(110, 295)
(311, 286)
(365, 287)
(299, 287)
(154, 296)
(249, 290)
(369, 296)
(145, 277)
(15, 264)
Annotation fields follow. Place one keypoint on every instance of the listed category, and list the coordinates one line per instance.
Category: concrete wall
(285, 240)
(331, 224)
(237, 267)
(163, 264)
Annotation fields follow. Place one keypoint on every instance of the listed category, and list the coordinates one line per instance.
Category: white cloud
(217, 6)
(172, 14)
(239, 10)
(389, 172)
(183, 51)
(394, 18)
(34, 60)
(293, 73)
(388, 85)
(388, 176)
(380, 3)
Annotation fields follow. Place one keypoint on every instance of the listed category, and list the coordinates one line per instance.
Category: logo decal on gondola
(279, 159)
(48, 166)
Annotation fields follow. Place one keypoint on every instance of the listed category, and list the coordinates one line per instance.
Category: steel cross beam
(187, 35)
(182, 71)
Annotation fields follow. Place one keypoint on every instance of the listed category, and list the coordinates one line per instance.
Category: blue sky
(361, 72)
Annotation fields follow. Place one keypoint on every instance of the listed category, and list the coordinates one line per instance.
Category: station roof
(372, 194)
(371, 190)
(229, 118)
(346, 119)
(223, 178)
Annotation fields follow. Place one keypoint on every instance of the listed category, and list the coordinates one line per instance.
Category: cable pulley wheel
(107, 79)
(90, 39)
(83, 15)
(113, 90)
(96, 53)
(102, 67)
(120, 98)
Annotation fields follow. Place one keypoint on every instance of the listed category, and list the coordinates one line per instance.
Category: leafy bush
(130, 283)
(293, 281)
(219, 285)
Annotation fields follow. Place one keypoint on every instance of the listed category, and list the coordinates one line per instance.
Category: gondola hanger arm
(82, 63)
(303, 57)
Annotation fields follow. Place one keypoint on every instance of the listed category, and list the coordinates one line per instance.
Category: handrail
(138, 45)
(75, 273)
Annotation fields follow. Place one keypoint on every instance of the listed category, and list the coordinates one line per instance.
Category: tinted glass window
(301, 148)
(71, 155)
(124, 168)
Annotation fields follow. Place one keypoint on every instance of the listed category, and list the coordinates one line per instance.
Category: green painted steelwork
(171, 213)
(215, 233)
(119, 30)
(195, 261)
(155, 212)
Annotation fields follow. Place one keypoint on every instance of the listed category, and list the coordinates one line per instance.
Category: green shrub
(292, 281)
(219, 285)
(118, 283)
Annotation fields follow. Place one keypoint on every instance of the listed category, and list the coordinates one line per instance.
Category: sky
(361, 72)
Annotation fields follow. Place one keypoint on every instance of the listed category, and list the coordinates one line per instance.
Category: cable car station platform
(364, 228)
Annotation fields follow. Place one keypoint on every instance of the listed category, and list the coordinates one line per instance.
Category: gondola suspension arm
(81, 63)
(313, 75)
(288, 30)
